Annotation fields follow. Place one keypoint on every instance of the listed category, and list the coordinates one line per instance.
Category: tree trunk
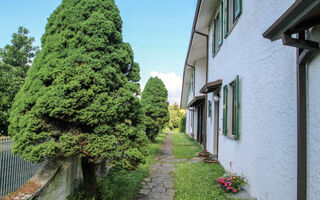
(89, 179)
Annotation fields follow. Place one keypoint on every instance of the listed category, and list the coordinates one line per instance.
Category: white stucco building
(253, 102)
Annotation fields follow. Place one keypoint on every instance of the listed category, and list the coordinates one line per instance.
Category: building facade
(244, 109)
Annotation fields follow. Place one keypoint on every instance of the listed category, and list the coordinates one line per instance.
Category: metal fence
(14, 171)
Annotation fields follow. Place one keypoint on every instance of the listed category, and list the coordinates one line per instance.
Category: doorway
(216, 124)
(200, 128)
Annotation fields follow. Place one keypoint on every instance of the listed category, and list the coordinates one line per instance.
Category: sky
(157, 30)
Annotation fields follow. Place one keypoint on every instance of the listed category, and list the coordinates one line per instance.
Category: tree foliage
(154, 101)
(15, 59)
(182, 124)
(175, 115)
(80, 97)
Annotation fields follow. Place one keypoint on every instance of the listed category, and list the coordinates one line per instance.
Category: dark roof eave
(288, 21)
(211, 86)
(190, 43)
(196, 101)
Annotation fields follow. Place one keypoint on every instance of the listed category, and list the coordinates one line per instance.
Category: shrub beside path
(159, 185)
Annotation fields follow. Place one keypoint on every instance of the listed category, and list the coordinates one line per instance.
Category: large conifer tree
(80, 97)
(154, 101)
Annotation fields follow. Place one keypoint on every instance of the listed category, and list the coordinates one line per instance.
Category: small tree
(16, 59)
(80, 97)
(182, 124)
(154, 101)
(175, 115)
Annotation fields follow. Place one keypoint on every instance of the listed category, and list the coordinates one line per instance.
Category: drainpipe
(303, 56)
(301, 127)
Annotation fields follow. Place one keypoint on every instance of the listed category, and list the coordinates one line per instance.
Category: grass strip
(184, 147)
(194, 180)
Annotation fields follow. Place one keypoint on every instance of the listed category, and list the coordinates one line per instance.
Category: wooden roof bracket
(300, 43)
(190, 66)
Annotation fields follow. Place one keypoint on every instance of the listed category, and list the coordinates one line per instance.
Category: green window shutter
(213, 39)
(237, 106)
(226, 18)
(225, 110)
(237, 8)
(220, 23)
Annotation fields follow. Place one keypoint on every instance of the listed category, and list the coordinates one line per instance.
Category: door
(216, 125)
(200, 130)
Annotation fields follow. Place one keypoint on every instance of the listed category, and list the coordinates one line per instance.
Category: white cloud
(173, 83)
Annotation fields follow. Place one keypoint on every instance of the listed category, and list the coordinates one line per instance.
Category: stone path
(159, 185)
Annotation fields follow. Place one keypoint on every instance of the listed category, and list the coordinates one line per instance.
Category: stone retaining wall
(56, 179)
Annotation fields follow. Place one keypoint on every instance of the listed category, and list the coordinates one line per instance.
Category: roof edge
(195, 19)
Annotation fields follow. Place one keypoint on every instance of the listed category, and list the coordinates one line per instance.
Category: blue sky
(158, 31)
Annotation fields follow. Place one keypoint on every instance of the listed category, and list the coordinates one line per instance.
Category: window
(192, 83)
(217, 32)
(210, 109)
(231, 104)
(232, 11)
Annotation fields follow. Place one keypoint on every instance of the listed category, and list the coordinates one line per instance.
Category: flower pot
(204, 154)
(209, 161)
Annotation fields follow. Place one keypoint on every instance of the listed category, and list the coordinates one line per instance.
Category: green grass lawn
(184, 147)
(122, 184)
(194, 180)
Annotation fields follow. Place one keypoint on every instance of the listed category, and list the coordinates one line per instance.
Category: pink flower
(229, 188)
(226, 184)
(234, 190)
(219, 179)
(218, 186)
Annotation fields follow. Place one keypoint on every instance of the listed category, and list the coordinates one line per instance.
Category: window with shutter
(232, 11)
(217, 32)
(231, 105)
(226, 17)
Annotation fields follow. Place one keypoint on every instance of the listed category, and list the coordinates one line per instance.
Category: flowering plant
(232, 184)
